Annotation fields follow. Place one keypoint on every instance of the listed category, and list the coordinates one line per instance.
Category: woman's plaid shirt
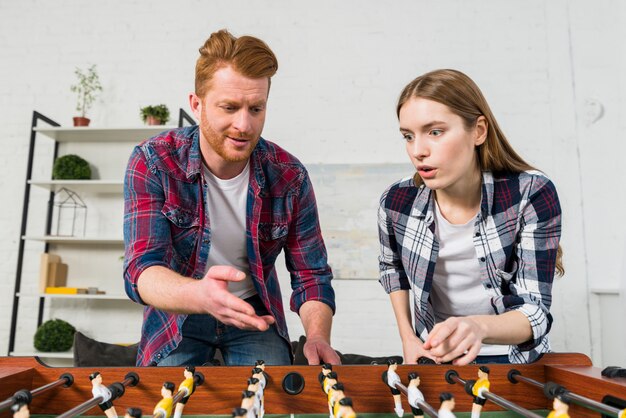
(516, 236)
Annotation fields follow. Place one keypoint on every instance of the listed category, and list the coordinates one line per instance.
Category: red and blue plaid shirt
(165, 225)
(516, 236)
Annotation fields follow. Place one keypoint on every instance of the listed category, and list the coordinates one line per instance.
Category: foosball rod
(198, 379)
(453, 377)
(26, 396)
(117, 389)
(551, 389)
(423, 405)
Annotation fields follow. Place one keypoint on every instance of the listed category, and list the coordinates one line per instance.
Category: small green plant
(159, 112)
(54, 335)
(71, 167)
(87, 88)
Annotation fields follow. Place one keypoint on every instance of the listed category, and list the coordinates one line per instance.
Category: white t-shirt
(415, 395)
(457, 288)
(226, 215)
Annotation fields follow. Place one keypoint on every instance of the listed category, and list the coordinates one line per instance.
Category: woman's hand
(412, 349)
(457, 339)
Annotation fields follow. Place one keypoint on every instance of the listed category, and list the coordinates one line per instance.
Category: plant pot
(81, 121)
(152, 120)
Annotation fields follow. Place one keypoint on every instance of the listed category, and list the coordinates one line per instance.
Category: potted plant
(87, 88)
(155, 115)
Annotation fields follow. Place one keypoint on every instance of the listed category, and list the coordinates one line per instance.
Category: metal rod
(453, 377)
(556, 389)
(26, 396)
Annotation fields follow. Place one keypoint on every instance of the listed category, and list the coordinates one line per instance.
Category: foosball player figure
(326, 368)
(260, 364)
(447, 405)
(345, 408)
(329, 380)
(257, 373)
(187, 386)
(164, 407)
(415, 395)
(254, 386)
(337, 395)
(20, 410)
(240, 413)
(560, 407)
(98, 389)
(133, 413)
(391, 377)
(481, 385)
(247, 403)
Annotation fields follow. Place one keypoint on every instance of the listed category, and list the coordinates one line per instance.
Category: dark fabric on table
(91, 353)
(299, 359)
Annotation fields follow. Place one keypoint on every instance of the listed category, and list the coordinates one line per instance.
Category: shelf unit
(85, 135)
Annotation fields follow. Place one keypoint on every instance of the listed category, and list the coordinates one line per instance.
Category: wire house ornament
(69, 208)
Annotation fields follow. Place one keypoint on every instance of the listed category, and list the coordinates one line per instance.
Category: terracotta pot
(152, 120)
(81, 121)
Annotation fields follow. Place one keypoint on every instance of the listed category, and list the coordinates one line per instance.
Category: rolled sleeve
(305, 253)
(146, 242)
(531, 289)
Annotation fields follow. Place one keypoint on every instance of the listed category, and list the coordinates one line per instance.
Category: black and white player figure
(247, 403)
(415, 395)
(392, 378)
(257, 373)
(133, 413)
(98, 389)
(20, 410)
(240, 413)
(447, 405)
(255, 386)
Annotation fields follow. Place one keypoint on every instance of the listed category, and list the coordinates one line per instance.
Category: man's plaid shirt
(516, 236)
(165, 225)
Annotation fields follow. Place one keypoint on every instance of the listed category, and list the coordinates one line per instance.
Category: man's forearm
(167, 290)
(317, 319)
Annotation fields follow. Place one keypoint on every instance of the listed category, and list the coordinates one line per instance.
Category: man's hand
(317, 319)
(226, 307)
(318, 351)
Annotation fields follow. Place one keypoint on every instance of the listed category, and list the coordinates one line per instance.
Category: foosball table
(297, 390)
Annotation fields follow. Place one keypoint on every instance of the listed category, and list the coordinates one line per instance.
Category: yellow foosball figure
(560, 408)
(187, 386)
(481, 385)
(164, 407)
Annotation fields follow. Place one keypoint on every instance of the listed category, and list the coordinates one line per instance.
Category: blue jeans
(502, 359)
(203, 334)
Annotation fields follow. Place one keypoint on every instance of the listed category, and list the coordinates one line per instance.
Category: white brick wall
(342, 65)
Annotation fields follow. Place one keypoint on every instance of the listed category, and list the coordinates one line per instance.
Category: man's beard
(217, 143)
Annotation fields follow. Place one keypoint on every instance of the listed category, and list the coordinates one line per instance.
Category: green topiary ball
(54, 335)
(71, 167)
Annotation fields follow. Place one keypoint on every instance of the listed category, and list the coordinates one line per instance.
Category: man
(480, 387)
(415, 395)
(207, 211)
(163, 409)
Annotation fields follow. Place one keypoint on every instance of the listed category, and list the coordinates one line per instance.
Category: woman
(475, 233)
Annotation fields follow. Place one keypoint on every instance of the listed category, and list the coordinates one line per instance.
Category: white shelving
(35, 353)
(78, 296)
(88, 134)
(81, 186)
(53, 239)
